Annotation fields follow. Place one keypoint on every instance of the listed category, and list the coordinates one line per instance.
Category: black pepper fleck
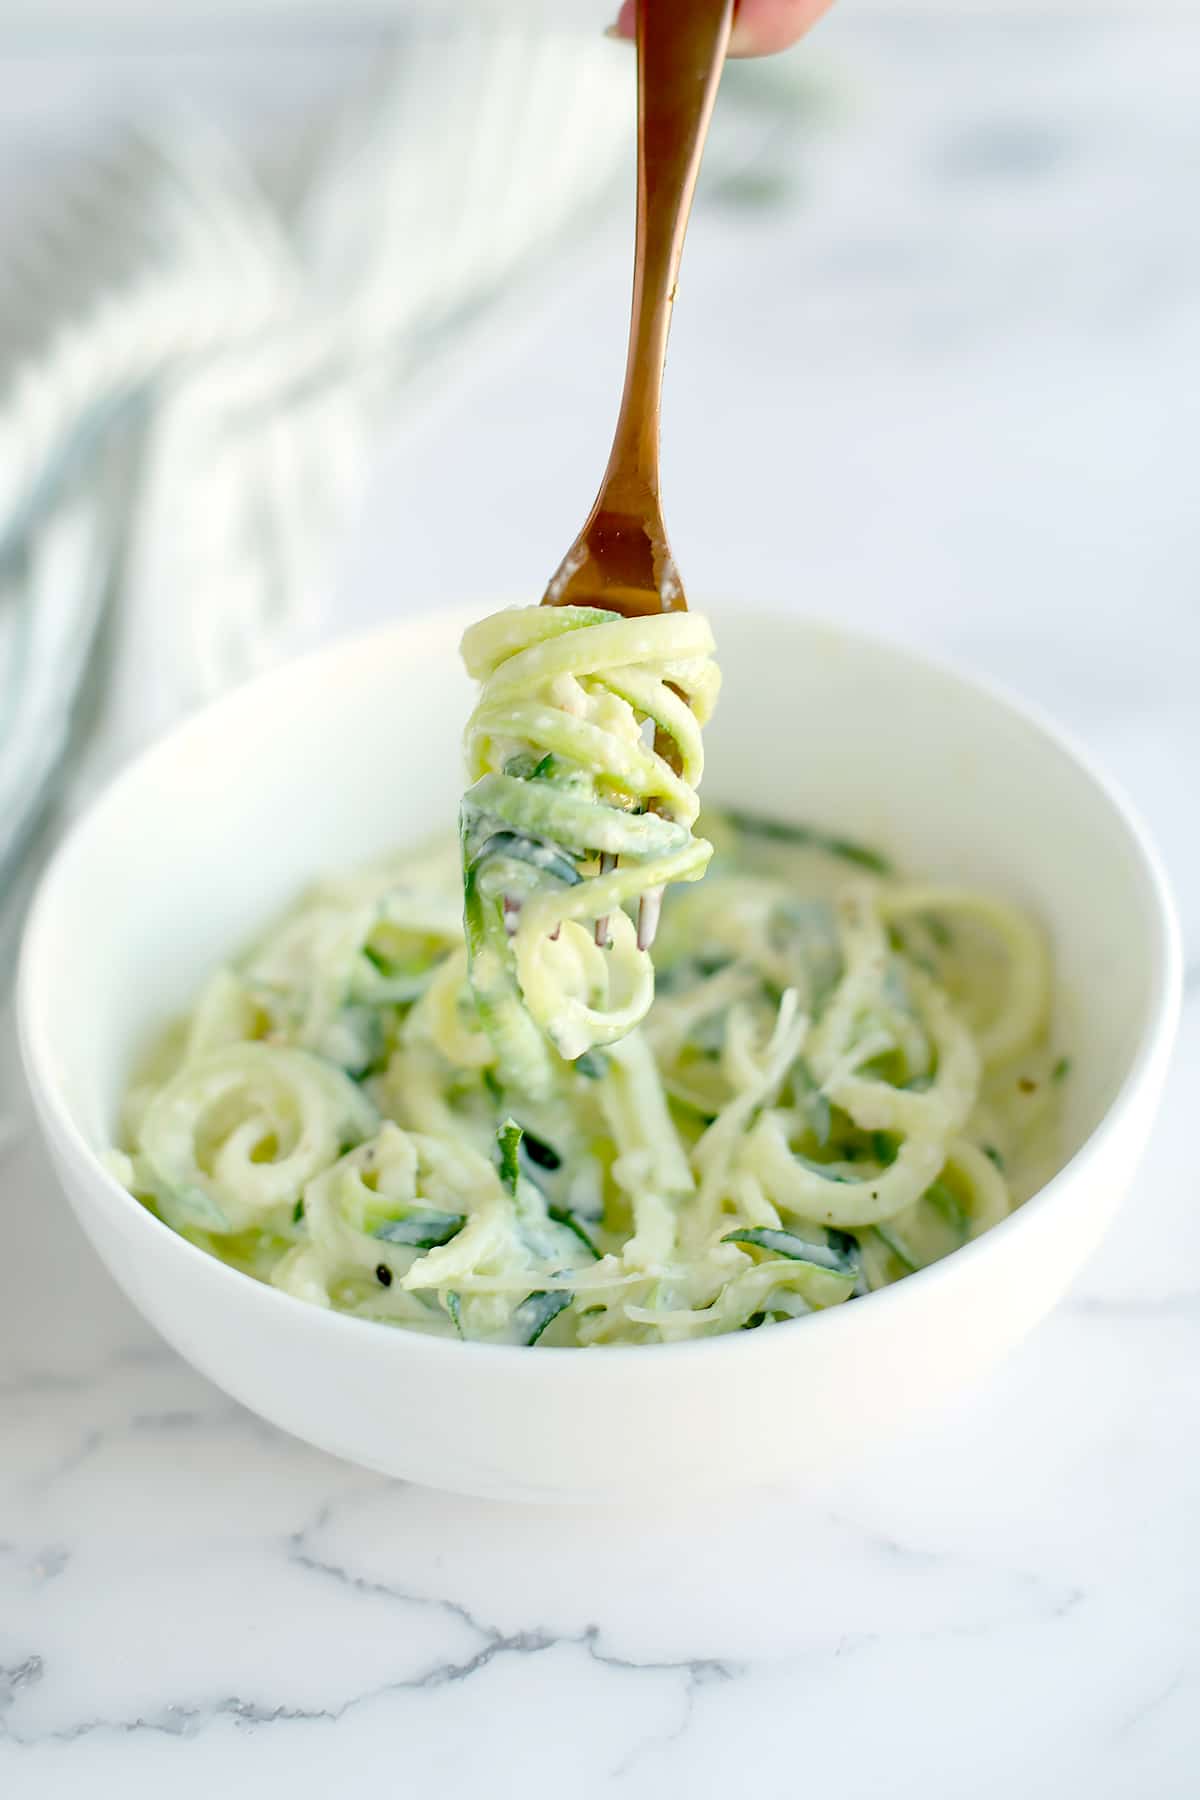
(383, 1275)
(540, 1153)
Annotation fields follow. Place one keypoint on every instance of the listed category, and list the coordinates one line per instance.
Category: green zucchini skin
(537, 1312)
(786, 1244)
(421, 1230)
(808, 837)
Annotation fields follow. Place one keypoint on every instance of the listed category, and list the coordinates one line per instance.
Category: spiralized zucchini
(843, 1076)
(584, 755)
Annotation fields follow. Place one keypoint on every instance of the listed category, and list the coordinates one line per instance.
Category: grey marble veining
(945, 385)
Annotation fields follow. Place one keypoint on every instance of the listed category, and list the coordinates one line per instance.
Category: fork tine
(607, 865)
(649, 908)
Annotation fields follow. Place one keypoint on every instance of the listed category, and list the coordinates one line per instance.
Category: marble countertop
(944, 382)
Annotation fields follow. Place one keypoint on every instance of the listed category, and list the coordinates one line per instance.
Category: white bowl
(354, 751)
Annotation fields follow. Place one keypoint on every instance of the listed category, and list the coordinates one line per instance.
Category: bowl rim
(1145, 1067)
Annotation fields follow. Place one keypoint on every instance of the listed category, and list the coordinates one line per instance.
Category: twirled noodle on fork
(584, 753)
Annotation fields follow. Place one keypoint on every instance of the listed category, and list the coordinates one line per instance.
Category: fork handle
(681, 48)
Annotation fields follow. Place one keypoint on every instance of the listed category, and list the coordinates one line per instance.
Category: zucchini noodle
(584, 755)
(843, 1075)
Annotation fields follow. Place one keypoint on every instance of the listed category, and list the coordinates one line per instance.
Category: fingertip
(761, 27)
(625, 23)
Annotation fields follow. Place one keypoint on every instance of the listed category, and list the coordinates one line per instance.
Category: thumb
(759, 26)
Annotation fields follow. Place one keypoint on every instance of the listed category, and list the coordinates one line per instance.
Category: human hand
(759, 26)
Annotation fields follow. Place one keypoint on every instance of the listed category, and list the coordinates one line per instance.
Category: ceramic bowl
(354, 751)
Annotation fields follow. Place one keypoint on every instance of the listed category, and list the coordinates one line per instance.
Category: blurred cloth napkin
(191, 375)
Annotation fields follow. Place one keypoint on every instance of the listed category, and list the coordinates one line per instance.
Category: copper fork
(621, 561)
